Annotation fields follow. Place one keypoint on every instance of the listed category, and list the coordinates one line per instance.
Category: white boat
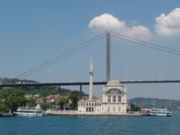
(29, 112)
(159, 112)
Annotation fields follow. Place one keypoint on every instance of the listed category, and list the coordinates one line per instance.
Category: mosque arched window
(119, 108)
(119, 98)
(114, 98)
(113, 91)
(114, 108)
(109, 98)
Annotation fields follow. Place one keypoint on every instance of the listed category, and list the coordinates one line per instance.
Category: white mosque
(113, 101)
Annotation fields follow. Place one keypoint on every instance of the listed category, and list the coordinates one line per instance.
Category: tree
(3, 107)
(61, 101)
(74, 97)
(12, 98)
(30, 102)
(135, 107)
(45, 106)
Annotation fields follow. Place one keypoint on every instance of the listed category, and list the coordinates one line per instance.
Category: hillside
(173, 105)
(43, 91)
(15, 80)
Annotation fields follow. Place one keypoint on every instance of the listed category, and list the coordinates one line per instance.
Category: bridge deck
(85, 83)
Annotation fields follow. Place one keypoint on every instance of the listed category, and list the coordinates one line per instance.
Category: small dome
(113, 83)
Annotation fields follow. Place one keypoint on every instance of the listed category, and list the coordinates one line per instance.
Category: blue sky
(32, 32)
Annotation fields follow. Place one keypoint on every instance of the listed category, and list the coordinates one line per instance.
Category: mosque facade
(113, 100)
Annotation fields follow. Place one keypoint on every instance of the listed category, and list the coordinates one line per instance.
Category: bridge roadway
(85, 83)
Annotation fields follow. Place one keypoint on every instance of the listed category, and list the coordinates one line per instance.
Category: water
(62, 125)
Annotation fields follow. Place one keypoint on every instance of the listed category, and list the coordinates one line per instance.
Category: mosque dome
(113, 83)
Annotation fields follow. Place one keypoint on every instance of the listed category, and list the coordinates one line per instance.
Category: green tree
(3, 107)
(135, 107)
(61, 101)
(45, 106)
(30, 102)
(74, 97)
(12, 98)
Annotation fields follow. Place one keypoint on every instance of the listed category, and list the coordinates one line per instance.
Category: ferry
(29, 112)
(159, 112)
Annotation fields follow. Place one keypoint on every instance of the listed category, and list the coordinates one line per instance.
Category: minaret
(91, 74)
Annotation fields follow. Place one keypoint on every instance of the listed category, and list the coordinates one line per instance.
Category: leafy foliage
(30, 102)
(14, 80)
(135, 108)
(11, 98)
(3, 107)
(74, 97)
(61, 101)
(45, 105)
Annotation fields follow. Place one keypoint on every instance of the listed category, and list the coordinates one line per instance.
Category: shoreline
(6, 115)
(125, 115)
(76, 113)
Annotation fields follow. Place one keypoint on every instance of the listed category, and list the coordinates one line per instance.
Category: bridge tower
(91, 74)
(108, 55)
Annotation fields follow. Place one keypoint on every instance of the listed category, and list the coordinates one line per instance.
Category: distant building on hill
(52, 98)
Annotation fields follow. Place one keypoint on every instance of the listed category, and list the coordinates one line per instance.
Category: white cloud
(107, 22)
(139, 31)
(168, 25)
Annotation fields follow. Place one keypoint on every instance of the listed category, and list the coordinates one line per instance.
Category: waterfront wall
(76, 113)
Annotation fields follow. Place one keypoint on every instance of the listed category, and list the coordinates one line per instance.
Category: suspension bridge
(84, 44)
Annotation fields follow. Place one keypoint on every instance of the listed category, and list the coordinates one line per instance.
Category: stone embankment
(4, 114)
(76, 113)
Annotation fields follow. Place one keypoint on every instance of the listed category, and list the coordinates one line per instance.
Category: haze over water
(62, 125)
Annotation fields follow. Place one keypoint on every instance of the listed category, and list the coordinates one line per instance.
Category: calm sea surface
(61, 125)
